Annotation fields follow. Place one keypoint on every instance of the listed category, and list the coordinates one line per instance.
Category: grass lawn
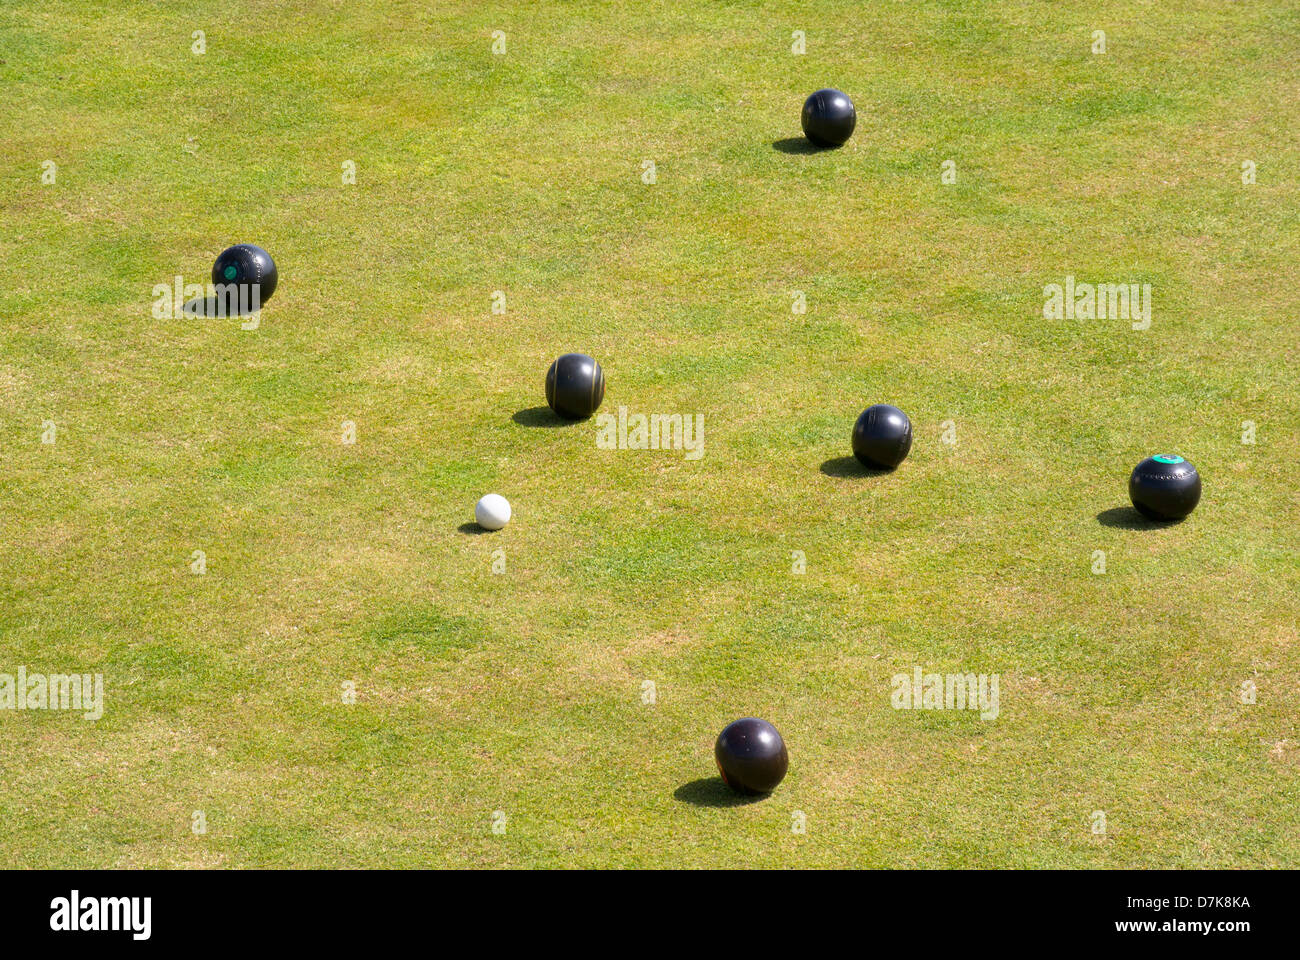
(519, 695)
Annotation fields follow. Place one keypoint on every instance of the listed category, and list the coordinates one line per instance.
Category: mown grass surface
(521, 692)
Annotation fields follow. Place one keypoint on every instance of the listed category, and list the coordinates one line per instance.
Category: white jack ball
(492, 512)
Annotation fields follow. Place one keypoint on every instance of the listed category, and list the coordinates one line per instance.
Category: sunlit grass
(522, 692)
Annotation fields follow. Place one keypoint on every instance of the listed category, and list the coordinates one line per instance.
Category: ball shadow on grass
(851, 467)
(216, 308)
(472, 529)
(796, 145)
(712, 792)
(1127, 518)
(541, 417)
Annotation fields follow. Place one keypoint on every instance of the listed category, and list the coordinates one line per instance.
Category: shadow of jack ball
(1164, 487)
(751, 756)
(246, 265)
(882, 437)
(575, 386)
